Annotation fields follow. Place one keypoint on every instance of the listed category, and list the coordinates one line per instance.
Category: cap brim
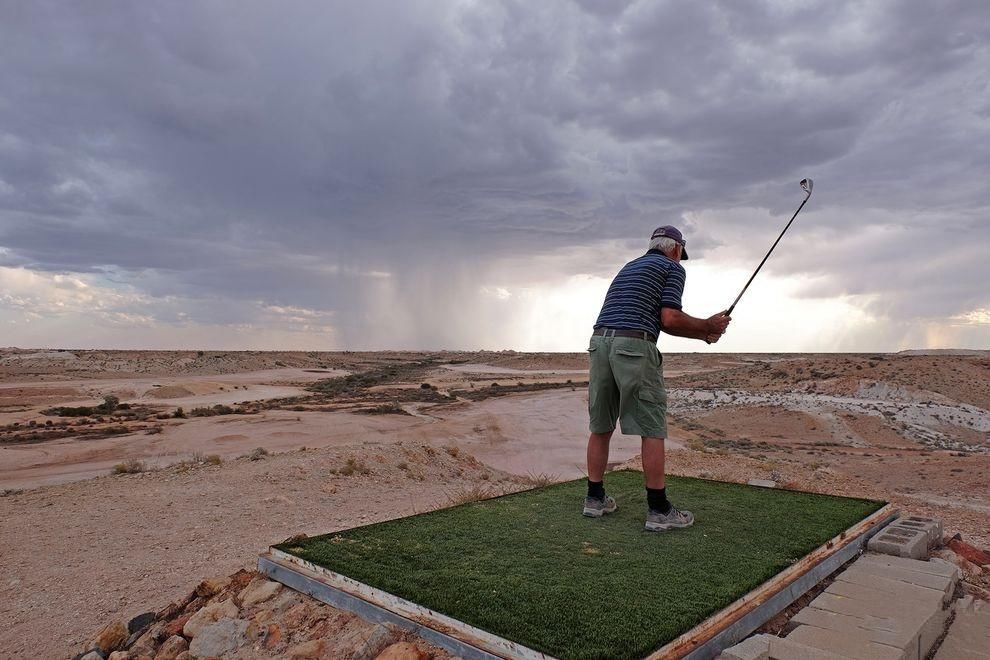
(683, 253)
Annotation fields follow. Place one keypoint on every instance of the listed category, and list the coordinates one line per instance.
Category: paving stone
(900, 542)
(848, 643)
(932, 566)
(888, 587)
(890, 616)
(932, 527)
(892, 632)
(953, 649)
(969, 634)
(882, 609)
(756, 647)
(932, 630)
(786, 649)
(942, 583)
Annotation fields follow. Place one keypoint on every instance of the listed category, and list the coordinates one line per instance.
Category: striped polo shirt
(637, 293)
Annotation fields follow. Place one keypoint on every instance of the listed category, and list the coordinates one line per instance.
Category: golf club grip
(769, 252)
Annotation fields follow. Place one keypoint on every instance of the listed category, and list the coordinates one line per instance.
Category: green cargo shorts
(626, 384)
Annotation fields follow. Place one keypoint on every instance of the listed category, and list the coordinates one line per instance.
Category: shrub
(69, 411)
(538, 480)
(132, 466)
(213, 459)
(110, 403)
(471, 494)
(384, 409)
(258, 454)
(353, 466)
(179, 413)
(218, 409)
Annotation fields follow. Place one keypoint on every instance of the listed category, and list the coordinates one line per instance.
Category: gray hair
(663, 243)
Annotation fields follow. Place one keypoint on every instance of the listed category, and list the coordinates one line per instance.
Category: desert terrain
(129, 476)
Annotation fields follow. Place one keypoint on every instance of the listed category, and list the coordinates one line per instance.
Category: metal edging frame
(739, 619)
(379, 606)
(730, 625)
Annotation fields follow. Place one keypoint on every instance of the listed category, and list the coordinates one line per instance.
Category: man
(626, 379)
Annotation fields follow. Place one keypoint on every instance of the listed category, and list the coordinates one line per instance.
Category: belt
(637, 334)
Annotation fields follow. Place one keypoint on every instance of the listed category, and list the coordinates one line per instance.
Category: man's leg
(654, 455)
(653, 462)
(603, 410)
(597, 503)
(662, 515)
(598, 455)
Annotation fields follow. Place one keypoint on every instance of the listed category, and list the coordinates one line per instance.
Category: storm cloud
(370, 173)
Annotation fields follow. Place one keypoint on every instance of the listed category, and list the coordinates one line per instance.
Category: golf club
(806, 186)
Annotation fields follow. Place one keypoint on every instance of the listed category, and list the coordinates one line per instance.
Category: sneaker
(596, 508)
(673, 519)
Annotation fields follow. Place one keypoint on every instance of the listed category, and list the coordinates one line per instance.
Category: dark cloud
(329, 156)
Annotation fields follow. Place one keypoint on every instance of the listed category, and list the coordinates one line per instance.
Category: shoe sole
(666, 527)
(598, 513)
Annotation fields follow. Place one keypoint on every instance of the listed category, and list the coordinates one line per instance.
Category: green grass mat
(530, 568)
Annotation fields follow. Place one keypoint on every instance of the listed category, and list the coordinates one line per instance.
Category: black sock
(657, 499)
(596, 489)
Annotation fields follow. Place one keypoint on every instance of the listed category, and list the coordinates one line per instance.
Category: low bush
(218, 409)
(132, 466)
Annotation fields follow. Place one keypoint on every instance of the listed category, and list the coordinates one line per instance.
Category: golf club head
(807, 185)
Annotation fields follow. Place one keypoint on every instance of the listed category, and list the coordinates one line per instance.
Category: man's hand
(715, 327)
(675, 322)
(716, 324)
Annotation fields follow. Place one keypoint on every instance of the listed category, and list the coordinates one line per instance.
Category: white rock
(207, 615)
(216, 639)
(259, 591)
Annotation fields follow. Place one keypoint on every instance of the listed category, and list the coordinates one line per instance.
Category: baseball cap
(672, 232)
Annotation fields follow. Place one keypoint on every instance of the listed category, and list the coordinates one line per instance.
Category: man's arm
(675, 322)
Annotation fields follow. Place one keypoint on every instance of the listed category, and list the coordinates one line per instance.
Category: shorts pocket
(652, 395)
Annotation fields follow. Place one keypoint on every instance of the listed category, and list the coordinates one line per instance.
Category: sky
(470, 175)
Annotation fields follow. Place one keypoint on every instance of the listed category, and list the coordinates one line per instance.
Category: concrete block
(931, 631)
(932, 528)
(969, 634)
(895, 583)
(953, 649)
(848, 643)
(932, 566)
(900, 542)
(756, 647)
(892, 632)
(764, 483)
(890, 616)
(945, 584)
(785, 649)
(856, 579)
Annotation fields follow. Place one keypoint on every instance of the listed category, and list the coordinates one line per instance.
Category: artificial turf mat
(529, 567)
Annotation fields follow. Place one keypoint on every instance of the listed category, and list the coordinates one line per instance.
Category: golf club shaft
(736, 301)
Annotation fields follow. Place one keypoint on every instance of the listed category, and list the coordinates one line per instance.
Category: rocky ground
(247, 616)
(289, 443)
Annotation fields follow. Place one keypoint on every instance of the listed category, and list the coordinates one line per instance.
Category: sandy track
(524, 433)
